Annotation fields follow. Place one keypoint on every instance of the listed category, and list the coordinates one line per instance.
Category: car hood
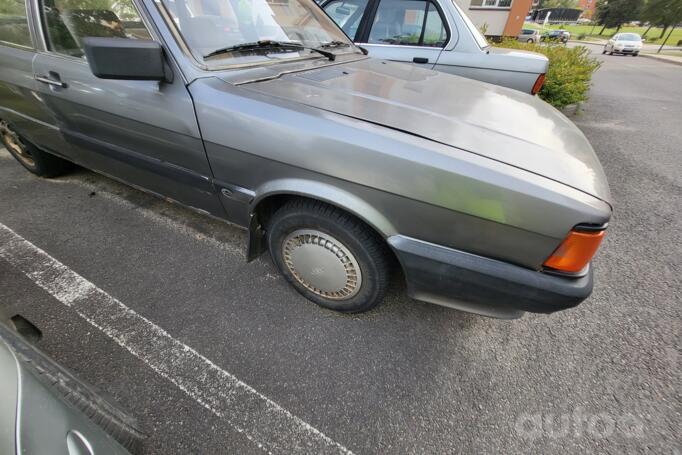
(498, 123)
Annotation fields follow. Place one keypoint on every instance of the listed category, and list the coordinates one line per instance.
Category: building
(497, 17)
(588, 7)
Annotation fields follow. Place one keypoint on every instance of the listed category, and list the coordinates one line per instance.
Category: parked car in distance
(339, 164)
(529, 35)
(446, 41)
(46, 409)
(624, 43)
(561, 36)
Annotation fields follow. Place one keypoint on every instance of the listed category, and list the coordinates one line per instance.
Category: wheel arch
(274, 194)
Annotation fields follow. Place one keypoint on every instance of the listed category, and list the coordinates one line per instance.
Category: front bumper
(476, 284)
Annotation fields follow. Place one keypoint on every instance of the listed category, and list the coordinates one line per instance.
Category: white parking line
(260, 419)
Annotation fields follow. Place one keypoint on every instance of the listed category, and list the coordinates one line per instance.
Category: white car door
(612, 42)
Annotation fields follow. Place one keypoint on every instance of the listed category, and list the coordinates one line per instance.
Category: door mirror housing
(126, 59)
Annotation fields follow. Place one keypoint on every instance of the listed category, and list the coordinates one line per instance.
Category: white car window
(408, 22)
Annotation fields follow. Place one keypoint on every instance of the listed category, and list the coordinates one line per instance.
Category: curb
(600, 43)
(572, 110)
(661, 59)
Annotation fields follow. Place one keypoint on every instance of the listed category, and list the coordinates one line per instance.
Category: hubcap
(15, 145)
(322, 264)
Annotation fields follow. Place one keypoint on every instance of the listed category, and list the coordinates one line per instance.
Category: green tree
(615, 13)
(663, 13)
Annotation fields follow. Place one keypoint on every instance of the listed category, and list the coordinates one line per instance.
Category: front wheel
(529, 41)
(604, 50)
(635, 54)
(329, 256)
(34, 160)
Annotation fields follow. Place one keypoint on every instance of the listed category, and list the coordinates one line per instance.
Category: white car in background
(529, 35)
(624, 43)
(438, 35)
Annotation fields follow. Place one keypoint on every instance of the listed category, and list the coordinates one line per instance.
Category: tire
(329, 256)
(611, 53)
(604, 50)
(36, 161)
(529, 41)
(635, 54)
(84, 397)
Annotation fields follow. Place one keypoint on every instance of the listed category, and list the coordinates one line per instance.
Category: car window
(435, 33)
(14, 23)
(629, 37)
(208, 26)
(408, 22)
(69, 21)
(347, 14)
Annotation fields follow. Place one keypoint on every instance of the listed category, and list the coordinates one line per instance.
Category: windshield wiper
(269, 44)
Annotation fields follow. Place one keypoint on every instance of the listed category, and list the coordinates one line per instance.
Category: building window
(491, 3)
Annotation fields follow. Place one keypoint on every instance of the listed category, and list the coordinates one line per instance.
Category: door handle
(420, 60)
(48, 81)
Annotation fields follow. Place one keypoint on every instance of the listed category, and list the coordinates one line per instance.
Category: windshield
(629, 37)
(478, 36)
(210, 25)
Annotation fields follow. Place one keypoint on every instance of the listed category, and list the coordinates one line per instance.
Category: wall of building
(588, 7)
(497, 21)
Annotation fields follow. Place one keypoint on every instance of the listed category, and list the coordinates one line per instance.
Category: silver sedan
(265, 114)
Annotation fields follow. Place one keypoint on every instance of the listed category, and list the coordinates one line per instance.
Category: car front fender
(331, 194)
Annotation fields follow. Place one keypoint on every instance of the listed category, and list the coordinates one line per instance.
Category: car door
(21, 108)
(609, 44)
(411, 31)
(142, 132)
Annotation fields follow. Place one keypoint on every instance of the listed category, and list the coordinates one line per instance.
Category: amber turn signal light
(576, 251)
(538, 84)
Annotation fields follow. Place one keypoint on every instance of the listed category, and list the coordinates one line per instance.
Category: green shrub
(582, 36)
(569, 74)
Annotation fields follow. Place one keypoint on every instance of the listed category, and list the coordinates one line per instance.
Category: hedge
(569, 74)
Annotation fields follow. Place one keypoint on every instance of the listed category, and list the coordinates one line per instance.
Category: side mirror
(126, 59)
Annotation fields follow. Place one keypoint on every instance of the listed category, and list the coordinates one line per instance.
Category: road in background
(407, 377)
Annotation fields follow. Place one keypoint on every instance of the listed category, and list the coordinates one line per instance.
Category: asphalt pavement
(191, 324)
